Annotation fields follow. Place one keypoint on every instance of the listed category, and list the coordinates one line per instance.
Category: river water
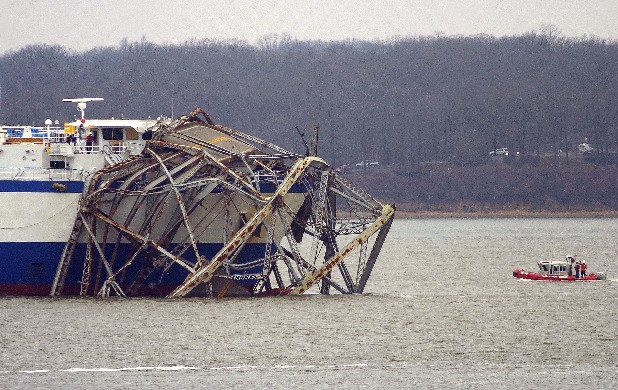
(441, 310)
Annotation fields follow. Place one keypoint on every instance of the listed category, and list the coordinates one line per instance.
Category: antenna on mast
(81, 103)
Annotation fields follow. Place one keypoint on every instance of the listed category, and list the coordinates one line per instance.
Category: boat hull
(521, 274)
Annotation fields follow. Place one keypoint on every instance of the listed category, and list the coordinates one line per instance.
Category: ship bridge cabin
(110, 135)
(96, 143)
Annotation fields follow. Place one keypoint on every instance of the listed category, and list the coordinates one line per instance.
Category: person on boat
(577, 267)
(89, 140)
(584, 266)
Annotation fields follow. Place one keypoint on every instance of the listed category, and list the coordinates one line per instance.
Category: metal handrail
(29, 173)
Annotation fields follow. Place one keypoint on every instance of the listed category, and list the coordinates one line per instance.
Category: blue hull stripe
(39, 186)
(35, 263)
(77, 186)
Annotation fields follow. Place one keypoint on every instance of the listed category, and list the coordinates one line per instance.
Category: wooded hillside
(403, 103)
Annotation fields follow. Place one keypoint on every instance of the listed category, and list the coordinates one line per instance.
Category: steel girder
(206, 210)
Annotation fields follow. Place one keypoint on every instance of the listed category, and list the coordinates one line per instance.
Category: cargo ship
(177, 207)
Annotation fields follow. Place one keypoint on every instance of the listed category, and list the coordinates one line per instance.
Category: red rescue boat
(568, 270)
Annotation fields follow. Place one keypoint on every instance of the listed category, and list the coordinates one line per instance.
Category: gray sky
(83, 24)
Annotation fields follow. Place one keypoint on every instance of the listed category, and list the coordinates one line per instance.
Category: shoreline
(402, 214)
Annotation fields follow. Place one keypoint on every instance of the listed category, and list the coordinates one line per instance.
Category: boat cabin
(554, 267)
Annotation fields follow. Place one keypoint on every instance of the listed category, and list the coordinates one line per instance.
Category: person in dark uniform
(89, 141)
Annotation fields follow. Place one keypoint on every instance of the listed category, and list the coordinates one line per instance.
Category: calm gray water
(442, 310)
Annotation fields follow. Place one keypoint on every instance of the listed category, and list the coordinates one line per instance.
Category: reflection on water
(442, 310)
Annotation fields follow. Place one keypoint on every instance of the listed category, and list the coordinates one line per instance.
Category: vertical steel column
(375, 251)
(310, 279)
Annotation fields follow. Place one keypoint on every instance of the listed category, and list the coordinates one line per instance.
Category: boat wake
(191, 368)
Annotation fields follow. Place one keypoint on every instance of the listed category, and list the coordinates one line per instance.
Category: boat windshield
(553, 268)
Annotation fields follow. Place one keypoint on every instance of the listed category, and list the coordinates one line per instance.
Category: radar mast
(81, 103)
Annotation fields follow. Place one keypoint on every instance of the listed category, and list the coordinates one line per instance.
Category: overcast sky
(84, 24)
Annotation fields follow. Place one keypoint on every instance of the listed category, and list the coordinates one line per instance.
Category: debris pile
(206, 210)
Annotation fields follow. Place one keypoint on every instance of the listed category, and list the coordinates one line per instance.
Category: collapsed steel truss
(209, 211)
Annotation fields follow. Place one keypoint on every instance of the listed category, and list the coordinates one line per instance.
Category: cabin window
(112, 133)
(57, 164)
(131, 134)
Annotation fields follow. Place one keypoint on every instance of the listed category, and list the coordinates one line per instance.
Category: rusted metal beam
(181, 204)
(110, 273)
(66, 259)
(142, 239)
(311, 268)
(375, 251)
(204, 274)
(310, 279)
(180, 164)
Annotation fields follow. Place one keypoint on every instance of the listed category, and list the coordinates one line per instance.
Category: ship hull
(29, 268)
(178, 207)
(36, 226)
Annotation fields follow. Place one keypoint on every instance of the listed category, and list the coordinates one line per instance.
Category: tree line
(404, 101)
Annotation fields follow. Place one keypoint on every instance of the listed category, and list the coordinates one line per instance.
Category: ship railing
(95, 149)
(21, 173)
(57, 136)
(84, 149)
(33, 131)
(35, 173)
(59, 148)
(38, 135)
(67, 174)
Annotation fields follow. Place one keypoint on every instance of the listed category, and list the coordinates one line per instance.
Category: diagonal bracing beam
(312, 278)
(206, 272)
